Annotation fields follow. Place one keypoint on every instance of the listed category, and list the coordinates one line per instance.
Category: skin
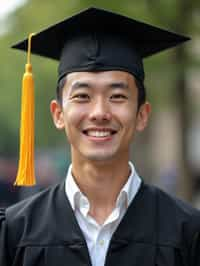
(100, 101)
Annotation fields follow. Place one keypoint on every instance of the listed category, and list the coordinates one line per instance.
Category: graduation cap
(92, 40)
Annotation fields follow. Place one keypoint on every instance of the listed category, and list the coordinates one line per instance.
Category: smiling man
(103, 214)
(100, 113)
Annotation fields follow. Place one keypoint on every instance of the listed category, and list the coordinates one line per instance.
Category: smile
(99, 133)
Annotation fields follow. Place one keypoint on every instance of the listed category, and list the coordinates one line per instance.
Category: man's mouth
(99, 133)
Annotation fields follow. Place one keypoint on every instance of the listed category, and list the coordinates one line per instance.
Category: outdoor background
(166, 154)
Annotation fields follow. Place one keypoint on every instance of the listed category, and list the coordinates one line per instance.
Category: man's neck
(101, 184)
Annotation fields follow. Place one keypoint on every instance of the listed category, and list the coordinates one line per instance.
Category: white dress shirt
(98, 236)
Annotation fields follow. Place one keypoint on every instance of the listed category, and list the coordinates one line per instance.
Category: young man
(103, 214)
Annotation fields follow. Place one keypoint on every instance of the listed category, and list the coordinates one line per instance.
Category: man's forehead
(99, 82)
(99, 76)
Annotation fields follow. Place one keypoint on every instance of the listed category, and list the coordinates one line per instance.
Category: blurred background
(167, 154)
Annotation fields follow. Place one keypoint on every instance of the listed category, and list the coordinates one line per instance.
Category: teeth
(98, 133)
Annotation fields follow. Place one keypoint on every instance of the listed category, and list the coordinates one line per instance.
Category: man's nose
(100, 111)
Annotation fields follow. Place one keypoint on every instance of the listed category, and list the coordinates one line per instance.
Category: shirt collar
(71, 188)
(128, 191)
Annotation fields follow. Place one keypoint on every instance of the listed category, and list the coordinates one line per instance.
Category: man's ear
(143, 116)
(57, 114)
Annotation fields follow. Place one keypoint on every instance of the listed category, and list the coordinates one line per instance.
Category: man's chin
(100, 157)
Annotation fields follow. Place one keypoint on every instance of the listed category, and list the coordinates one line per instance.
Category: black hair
(59, 89)
(139, 84)
(141, 92)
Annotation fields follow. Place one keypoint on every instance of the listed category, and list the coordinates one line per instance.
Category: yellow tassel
(26, 168)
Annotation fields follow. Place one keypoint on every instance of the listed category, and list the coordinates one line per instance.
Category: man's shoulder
(167, 202)
(174, 216)
(33, 205)
(29, 220)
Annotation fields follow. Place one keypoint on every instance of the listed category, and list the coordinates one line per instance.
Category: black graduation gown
(157, 230)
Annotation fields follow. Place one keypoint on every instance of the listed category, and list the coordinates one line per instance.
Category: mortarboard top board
(96, 39)
(92, 40)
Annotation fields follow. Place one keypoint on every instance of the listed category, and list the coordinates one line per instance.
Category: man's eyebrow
(118, 85)
(79, 85)
(112, 85)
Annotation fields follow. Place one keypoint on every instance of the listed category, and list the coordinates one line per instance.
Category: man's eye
(81, 97)
(118, 97)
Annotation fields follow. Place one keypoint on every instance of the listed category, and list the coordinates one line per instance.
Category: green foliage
(36, 15)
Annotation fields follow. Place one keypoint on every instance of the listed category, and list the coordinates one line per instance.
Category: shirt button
(101, 242)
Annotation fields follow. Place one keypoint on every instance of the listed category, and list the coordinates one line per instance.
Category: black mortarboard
(93, 40)
(97, 40)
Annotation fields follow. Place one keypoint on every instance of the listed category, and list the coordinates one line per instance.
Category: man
(103, 214)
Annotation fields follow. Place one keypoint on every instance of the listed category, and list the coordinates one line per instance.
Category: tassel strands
(26, 167)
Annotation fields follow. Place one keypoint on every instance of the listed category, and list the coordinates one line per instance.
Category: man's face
(100, 114)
